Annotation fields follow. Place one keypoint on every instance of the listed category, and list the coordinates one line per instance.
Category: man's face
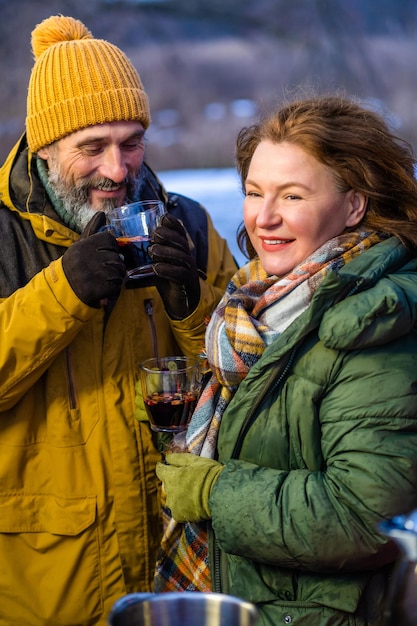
(96, 168)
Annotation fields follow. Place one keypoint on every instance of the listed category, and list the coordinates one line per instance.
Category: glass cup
(133, 225)
(170, 389)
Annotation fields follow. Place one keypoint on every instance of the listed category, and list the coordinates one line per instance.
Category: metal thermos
(401, 608)
(185, 608)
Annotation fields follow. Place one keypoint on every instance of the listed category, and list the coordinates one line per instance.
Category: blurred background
(211, 67)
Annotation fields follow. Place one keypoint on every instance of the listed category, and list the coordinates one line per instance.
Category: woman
(305, 437)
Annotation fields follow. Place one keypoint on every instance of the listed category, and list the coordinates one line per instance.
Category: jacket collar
(20, 187)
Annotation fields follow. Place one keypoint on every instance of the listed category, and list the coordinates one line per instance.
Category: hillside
(211, 66)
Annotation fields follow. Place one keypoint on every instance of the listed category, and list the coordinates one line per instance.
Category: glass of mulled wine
(133, 225)
(170, 389)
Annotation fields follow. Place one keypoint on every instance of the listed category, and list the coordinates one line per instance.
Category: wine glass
(133, 225)
(170, 389)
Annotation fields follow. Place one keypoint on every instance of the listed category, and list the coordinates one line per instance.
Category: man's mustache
(104, 184)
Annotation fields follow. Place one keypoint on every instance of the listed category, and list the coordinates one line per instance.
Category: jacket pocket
(49, 411)
(50, 559)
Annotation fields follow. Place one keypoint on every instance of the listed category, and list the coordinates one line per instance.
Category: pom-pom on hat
(78, 81)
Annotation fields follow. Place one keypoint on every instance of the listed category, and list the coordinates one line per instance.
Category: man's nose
(113, 165)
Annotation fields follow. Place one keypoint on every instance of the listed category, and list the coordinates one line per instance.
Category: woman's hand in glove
(177, 279)
(188, 480)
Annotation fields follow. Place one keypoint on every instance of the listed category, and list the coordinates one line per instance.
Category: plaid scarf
(254, 311)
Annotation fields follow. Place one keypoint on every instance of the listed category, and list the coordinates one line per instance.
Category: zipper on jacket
(217, 563)
(275, 379)
(71, 388)
(216, 557)
(149, 313)
(349, 290)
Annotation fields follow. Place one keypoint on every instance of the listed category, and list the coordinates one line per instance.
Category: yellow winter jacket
(79, 502)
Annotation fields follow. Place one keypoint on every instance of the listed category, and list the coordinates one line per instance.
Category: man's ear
(358, 204)
(43, 153)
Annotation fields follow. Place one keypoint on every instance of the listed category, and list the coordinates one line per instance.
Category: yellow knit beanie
(78, 81)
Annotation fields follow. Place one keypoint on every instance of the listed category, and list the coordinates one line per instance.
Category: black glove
(97, 221)
(93, 265)
(176, 271)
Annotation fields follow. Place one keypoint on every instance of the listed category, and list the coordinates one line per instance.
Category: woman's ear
(357, 210)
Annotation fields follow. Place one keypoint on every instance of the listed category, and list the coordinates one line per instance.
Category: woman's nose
(268, 215)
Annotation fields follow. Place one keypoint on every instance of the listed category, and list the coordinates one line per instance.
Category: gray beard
(74, 198)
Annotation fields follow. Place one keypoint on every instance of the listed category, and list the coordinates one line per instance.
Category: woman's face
(292, 206)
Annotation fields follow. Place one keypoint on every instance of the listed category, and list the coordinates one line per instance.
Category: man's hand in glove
(177, 276)
(188, 480)
(93, 266)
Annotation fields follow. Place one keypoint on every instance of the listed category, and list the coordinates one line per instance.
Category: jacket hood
(383, 306)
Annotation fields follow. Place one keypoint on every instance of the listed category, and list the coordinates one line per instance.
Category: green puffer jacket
(320, 444)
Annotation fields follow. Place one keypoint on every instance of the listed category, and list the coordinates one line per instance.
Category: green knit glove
(140, 411)
(188, 480)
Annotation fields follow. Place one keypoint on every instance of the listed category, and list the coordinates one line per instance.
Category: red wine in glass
(170, 412)
(135, 255)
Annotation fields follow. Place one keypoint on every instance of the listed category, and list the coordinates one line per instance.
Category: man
(79, 503)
